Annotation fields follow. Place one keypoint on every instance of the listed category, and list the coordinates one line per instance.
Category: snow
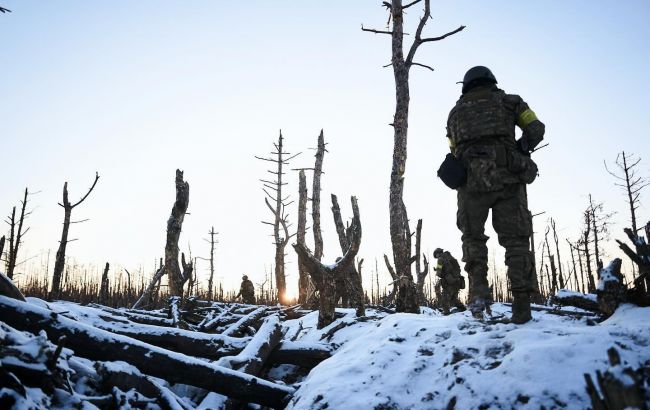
(607, 275)
(566, 293)
(406, 361)
(381, 361)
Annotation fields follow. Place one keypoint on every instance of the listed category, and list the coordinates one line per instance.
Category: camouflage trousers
(449, 299)
(512, 222)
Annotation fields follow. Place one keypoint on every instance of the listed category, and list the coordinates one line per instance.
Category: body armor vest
(481, 114)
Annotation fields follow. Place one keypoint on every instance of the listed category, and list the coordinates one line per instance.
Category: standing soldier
(246, 291)
(496, 168)
(451, 281)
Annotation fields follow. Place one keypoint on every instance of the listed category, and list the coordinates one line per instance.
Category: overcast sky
(134, 90)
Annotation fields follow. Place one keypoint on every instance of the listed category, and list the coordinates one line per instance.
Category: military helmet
(244, 277)
(477, 75)
(437, 252)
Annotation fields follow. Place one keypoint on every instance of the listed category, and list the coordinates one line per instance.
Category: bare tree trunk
(175, 276)
(400, 232)
(582, 272)
(575, 271)
(599, 263)
(59, 263)
(552, 260)
(315, 197)
(211, 279)
(103, 290)
(352, 277)
(279, 214)
(421, 274)
(557, 252)
(15, 245)
(303, 275)
(586, 233)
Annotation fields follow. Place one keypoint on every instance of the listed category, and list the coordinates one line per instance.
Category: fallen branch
(96, 344)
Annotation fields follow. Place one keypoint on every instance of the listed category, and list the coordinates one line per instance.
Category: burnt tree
(421, 273)
(148, 292)
(303, 275)
(630, 182)
(640, 256)
(400, 232)
(103, 290)
(175, 275)
(324, 276)
(16, 234)
(278, 209)
(585, 243)
(352, 276)
(59, 263)
(557, 252)
(315, 197)
(551, 258)
(212, 241)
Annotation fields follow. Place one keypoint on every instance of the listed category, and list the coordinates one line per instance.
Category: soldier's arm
(450, 141)
(532, 128)
(440, 268)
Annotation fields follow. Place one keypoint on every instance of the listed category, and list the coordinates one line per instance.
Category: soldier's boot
(479, 306)
(521, 308)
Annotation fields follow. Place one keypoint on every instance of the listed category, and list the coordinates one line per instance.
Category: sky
(135, 90)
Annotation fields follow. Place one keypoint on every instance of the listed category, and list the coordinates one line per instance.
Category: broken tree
(324, 276)
(352, 276)
(16, 234)
(171, 268)
(279, 212)
(59, 263)
(400, 231)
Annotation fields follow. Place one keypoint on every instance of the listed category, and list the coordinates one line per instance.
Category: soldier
(497, 167)
(451, 281)
(246, 291)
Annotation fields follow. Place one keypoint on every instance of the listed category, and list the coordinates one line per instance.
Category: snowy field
(406, 361)
(381, 361)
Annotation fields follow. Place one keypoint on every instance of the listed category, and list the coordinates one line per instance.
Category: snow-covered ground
(381, 361)
(406, 361)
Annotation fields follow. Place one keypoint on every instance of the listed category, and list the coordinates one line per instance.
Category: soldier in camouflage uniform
(481, 134)
(451, 281)
(246, 291)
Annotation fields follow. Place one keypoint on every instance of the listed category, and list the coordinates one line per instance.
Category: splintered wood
(133, 357)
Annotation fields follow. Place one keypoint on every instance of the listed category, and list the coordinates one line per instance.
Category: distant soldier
(451, 281)
(494, 170)
(246, 291)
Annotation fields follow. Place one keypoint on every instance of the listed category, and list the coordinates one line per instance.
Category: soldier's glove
(522, 144)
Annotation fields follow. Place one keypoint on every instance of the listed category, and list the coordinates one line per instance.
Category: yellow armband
(526, 118)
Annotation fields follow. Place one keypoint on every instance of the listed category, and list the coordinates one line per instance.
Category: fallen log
(146, 295)
(580, 300)
(126, 377)
(8, 289)
(209, 346)
(558, 312)
(303, 354)
(238, 327)
(252, 358)
(96, 344)
(137, 316)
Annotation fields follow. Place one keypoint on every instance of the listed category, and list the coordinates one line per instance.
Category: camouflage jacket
(448, 269)
(247, 288)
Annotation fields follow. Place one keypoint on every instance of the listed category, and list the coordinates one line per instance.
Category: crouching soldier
(451, 281)
(246, 291)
